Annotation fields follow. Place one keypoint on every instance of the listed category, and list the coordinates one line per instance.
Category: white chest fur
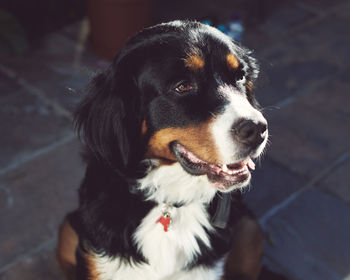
(169, 252)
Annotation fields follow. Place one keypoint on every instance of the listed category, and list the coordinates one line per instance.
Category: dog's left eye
(184, 87)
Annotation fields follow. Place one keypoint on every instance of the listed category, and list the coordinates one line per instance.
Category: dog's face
(179, 93)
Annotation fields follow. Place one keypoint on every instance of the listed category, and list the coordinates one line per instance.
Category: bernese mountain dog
(171, 131)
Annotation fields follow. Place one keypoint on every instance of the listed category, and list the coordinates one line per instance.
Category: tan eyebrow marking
(194, 62)
(232, 61)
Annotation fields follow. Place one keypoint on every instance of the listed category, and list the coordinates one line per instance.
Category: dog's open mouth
(223, 176)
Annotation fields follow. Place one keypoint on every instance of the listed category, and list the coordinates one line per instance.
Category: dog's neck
(170, 184)
(172, 187)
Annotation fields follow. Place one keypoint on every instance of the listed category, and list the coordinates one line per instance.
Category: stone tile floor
(300, 193)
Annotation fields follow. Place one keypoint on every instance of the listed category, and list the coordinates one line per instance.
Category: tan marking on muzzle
(232, 61)
(194, 62)
(198, 139)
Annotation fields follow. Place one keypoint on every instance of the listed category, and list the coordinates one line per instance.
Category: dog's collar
(218, 220)
(222, 212)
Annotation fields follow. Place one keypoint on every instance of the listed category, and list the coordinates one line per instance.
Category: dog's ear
(109, 119)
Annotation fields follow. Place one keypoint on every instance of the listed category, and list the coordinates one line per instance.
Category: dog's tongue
(197, 166)
(251, 164)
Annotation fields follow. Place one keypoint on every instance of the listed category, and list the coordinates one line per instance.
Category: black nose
(249, 132)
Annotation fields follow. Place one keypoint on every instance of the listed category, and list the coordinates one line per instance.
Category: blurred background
(49, 49)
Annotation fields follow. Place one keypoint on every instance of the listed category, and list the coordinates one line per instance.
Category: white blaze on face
(237, 108)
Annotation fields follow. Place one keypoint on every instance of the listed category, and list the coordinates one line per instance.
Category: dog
(171, 130)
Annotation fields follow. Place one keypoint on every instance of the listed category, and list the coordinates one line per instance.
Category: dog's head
(180, 93)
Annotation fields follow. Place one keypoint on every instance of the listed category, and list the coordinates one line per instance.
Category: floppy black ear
(109, 119)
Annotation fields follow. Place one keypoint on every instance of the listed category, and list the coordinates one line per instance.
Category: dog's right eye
(184, 87)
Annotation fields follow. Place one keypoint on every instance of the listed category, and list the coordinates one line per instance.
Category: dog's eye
(184, 87)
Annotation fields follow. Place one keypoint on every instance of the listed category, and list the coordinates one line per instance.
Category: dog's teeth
(224, 168)
(251, 164)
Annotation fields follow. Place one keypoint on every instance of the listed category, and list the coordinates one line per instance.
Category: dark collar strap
(223, 208)
(222, 213)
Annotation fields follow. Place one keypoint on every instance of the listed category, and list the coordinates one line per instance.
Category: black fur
(221, 239)
(139, 85)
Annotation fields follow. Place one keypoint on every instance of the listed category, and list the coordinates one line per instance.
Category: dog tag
(165, 220)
